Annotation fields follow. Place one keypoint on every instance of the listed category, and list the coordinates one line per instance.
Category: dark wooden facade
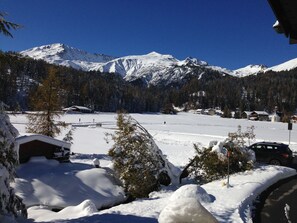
(36, 148)
(39, 145)
(260, 116)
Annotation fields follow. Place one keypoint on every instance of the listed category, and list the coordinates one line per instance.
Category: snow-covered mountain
(153, 68)
(256, 69)
(64, 55)
(286, 66)
(249, 70)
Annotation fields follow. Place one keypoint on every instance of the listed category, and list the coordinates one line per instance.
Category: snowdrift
(59, 185)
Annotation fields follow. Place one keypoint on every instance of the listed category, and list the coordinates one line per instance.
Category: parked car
(273, 153)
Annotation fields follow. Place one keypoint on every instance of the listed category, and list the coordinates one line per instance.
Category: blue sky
(231, 34)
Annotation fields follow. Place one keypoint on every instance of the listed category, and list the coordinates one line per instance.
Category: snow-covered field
(175, 135)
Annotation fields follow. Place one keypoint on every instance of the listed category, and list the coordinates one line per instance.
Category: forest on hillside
(20, 77)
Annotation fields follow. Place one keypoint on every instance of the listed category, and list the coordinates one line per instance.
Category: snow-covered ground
(50, 183)
(175, 135)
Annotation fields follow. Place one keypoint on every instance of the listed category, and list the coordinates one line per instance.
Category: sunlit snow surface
(249, 70)
(175, 135)
(288, 65)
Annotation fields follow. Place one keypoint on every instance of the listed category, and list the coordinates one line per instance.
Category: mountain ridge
(152, 68)
(61, 54)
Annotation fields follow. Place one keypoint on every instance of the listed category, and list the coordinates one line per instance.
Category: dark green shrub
(212, 163)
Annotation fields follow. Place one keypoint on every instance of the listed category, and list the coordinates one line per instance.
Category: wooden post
(290, 127)
(228, 155)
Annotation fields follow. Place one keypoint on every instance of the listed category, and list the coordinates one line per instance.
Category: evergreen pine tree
(227, 113)
(5, 25)
(69, 136)
(10, 204)
(137, 160)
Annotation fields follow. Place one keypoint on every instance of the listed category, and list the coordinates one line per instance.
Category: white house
(275, 117)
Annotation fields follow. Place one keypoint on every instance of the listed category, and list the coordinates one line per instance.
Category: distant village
(250, 115)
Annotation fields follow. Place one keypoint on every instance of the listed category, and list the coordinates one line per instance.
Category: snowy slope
(289, 65)
(54, 184)
(64, 55)
(249, 70)
(255, 69)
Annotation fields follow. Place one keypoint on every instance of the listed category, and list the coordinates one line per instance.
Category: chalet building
(246, 114)
(259, 116)
(77, 110)
(40, 145)
(209, 111)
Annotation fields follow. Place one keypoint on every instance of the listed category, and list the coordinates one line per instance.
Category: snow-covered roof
(28, 138)
(247, 112)
(76, 107)
(260, 112)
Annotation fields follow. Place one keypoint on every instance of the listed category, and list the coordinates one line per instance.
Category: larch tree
(46, 102)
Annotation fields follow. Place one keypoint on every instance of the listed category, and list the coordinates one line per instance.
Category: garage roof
(28, 138)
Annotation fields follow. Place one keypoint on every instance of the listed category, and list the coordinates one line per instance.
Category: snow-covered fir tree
(69, 136)
(137, 160)
(10, 205)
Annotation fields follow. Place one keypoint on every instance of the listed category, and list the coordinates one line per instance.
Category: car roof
(270, 143)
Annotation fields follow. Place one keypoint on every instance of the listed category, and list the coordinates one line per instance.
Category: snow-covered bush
(9, 203)
(137, 160)
(69, 136)
(185, 205)
(212, 163)
(242, 138)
